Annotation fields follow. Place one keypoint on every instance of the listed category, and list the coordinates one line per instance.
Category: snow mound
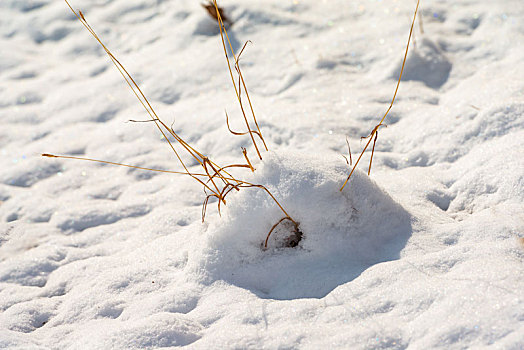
(426, 63)
(343, 232)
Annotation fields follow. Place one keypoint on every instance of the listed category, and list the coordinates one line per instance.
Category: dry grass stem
(242, 84)
(375, 129)
(420, 23)
(350, 161)
(244, 152)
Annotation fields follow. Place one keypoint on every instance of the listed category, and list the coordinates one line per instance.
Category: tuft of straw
(215, 12)
(216, 180)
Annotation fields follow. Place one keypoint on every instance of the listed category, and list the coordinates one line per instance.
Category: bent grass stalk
(216, 181)
(374, 133)
(238, 91)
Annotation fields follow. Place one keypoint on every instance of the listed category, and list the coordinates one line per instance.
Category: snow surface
(427, 252)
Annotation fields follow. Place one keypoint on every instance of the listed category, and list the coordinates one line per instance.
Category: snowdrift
(344, 232)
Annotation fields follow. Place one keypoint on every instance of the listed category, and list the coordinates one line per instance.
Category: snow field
(423, 254)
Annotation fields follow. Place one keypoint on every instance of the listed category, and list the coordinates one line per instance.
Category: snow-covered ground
(427, 252)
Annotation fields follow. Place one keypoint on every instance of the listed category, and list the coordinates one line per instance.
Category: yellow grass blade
(392, 100)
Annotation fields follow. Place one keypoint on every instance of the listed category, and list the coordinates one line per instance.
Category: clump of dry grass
(216, 11)
(215, 179)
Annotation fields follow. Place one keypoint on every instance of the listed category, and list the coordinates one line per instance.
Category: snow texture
(426, 253)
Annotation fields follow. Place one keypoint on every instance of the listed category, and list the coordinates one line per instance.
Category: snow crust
(426, 253)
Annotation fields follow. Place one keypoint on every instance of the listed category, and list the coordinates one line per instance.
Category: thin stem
(392, 100)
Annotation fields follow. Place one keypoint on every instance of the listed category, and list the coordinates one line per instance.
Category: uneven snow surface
(425, 253)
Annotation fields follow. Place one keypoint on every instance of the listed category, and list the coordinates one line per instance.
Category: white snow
(427, 252)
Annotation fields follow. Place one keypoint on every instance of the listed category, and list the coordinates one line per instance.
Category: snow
(341, 230)
(426, 252)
